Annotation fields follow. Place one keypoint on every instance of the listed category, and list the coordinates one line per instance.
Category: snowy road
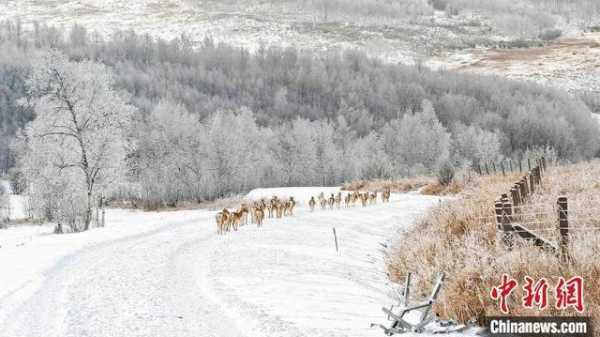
(181, 279)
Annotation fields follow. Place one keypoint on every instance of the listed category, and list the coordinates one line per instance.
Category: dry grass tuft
(459, 238)
(425, 185)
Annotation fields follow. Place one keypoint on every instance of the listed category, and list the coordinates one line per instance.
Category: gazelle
(312, 203)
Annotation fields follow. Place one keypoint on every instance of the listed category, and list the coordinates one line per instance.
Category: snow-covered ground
(170, 274)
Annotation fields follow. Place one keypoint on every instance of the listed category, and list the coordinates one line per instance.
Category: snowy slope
(169, 274)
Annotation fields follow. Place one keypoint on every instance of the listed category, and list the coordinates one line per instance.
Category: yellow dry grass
(460, 239)
(425, 185)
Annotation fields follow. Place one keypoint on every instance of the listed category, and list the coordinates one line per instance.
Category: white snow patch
(27, 251)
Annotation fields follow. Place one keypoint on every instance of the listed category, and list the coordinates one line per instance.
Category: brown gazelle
(338, 200)
(323, 202)
(222, 219)
(372, 198)
(363, 198)
(347, 200)
(312, 203)
(260, 215)
(385, 196)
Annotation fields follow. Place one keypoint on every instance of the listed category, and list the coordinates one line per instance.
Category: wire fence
(548, 226)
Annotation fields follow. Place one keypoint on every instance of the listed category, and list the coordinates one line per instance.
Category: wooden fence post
(515, 195)
(502, 166)
(526, 186)
(529, 163)
(563, 225)
(544, 162)
(516, 199)
(510, 165)
(499, 207)
(494, 165)
(507, 229)
(521, 165)
(531, 183)
(487, 170)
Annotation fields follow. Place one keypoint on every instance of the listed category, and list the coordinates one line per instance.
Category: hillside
(440, 33)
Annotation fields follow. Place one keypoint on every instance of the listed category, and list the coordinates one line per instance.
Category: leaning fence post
(563, 225)
(487, 169)
(406, 294)
(336, 240)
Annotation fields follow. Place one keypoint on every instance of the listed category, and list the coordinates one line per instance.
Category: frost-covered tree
(418, 143)
(373, 162)
(296, 153)
(75, 146)
(169, 156)
(328, 165)
(236, 154)
(475, 145)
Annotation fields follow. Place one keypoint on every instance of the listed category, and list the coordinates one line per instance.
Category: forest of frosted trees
(161, 122)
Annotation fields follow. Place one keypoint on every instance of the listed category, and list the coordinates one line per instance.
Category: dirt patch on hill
(565, 48)
(572, 64)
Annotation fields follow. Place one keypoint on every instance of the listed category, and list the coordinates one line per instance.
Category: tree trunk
(88, 212)
(58, 229)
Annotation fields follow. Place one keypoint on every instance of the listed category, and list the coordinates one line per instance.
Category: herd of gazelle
(350, 200)
(228, 220)
(278, 208)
